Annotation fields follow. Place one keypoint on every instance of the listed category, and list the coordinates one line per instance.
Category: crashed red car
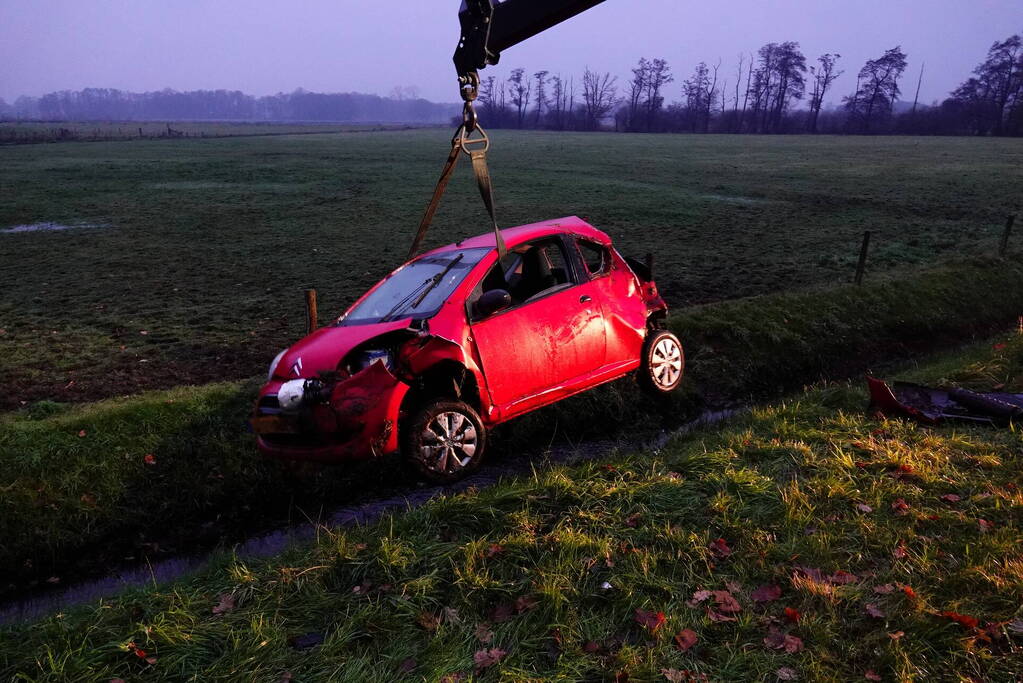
(457, 341)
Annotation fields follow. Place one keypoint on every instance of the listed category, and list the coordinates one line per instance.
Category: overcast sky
(268, 46)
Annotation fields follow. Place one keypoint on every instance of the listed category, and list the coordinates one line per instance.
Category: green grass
(210, 241)
(22, 132)
(75, 505)
(810, 484)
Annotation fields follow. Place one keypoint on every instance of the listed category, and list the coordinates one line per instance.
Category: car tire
(663, 363)
(445, 440)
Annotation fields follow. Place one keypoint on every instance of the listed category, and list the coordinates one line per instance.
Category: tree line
(105, 104)
(776, 90)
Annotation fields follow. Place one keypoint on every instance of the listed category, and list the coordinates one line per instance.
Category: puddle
(51, 227)
(273, 543)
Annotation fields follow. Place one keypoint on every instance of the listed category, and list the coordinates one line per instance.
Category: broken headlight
(364, 359)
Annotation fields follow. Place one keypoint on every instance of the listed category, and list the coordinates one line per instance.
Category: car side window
(529, 272)
(596, 257)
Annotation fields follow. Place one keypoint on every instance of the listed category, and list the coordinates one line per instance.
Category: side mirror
(492, 302)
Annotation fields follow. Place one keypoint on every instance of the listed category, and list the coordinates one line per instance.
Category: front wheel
(663, 363)
(445, 440)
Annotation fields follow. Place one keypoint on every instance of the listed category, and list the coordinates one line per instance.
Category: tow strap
(476, 149)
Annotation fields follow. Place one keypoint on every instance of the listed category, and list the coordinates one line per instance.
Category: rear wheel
(445, 440)
(663, 363)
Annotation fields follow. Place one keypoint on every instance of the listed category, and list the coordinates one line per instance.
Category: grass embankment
(89, 487)
(197, 275)
(808, 540)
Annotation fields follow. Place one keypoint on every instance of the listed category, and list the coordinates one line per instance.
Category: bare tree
(600, 95)
(823, 78)
(541, 96)
(519, 91)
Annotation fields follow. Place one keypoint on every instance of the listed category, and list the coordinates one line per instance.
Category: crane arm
(491, 26)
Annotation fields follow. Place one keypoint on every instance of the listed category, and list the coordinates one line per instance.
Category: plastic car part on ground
(934, 406)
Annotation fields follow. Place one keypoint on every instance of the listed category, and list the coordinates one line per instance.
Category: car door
(551, 337)
(615, 289)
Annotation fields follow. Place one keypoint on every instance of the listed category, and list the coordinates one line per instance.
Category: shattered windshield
(416, 290)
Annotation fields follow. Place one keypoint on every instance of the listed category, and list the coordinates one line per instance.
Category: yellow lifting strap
(476, 148)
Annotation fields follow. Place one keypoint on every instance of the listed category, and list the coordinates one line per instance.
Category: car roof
(513, 237)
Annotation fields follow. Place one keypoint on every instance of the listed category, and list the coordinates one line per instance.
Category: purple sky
(268, 46)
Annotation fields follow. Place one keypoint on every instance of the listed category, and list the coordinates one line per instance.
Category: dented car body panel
(577, 315)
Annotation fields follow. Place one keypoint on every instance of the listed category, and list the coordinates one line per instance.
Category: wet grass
(80, 496)
(198, 278)
(888, 548)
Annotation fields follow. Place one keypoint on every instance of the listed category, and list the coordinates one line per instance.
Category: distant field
(197, 250)
(91, 131)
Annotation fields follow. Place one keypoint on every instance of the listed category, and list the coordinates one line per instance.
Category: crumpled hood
(322, 350)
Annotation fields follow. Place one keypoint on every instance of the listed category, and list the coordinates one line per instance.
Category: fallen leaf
(650, 620)
(226, 604)
(886, 589)
(494, 550)
(502, 613)
(451, 615)
(151, 660)
(870, 675)
(149, 459)
(484, 634)
(842, 578)
(776, 640)
(874, 611)
(591, 647)
(525, 603)
(632, 521)
(792, 615)
(726, 602)
(905, 469)
(786, 674)
(863, 507)
(1001, 346)
(698, 597)
(717, 617)
(81, 434)
(951, 498)
(900, 551)
(733, 586)
(485, 659)
(720, 548)
(985, 525)
(910, 593)
(116, 680)
(900, 507)
(430, 622)
(769, 592)
(961, 619)
(674, 675)
(895, 635)
(408, 666)
(685, 639)
(1016, 625)
(453, 678)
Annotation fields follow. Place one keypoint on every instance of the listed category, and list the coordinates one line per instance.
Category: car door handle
(585, 299)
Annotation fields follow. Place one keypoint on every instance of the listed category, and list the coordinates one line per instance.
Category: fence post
(312, 315)
(1003, 248)
(862, 265)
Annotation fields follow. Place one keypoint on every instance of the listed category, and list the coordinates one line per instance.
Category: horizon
(55, 45)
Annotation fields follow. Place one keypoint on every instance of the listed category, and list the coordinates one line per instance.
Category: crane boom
(491, 26)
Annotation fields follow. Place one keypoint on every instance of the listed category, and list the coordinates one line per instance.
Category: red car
(457, 341)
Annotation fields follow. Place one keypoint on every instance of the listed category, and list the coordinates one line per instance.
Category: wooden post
(312, 314)
(862, 265)
(1003, 248)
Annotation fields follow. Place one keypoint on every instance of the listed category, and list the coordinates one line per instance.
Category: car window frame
(609, 257)
(575, 271)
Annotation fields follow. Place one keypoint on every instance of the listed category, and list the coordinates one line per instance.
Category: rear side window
(596, 257)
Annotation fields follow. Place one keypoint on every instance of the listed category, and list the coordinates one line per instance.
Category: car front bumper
(358, 422)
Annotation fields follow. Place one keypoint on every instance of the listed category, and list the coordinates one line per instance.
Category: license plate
(274, 424)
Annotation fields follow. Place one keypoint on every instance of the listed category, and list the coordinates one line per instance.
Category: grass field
(30, 132)
(199, 250)
(809, 541)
